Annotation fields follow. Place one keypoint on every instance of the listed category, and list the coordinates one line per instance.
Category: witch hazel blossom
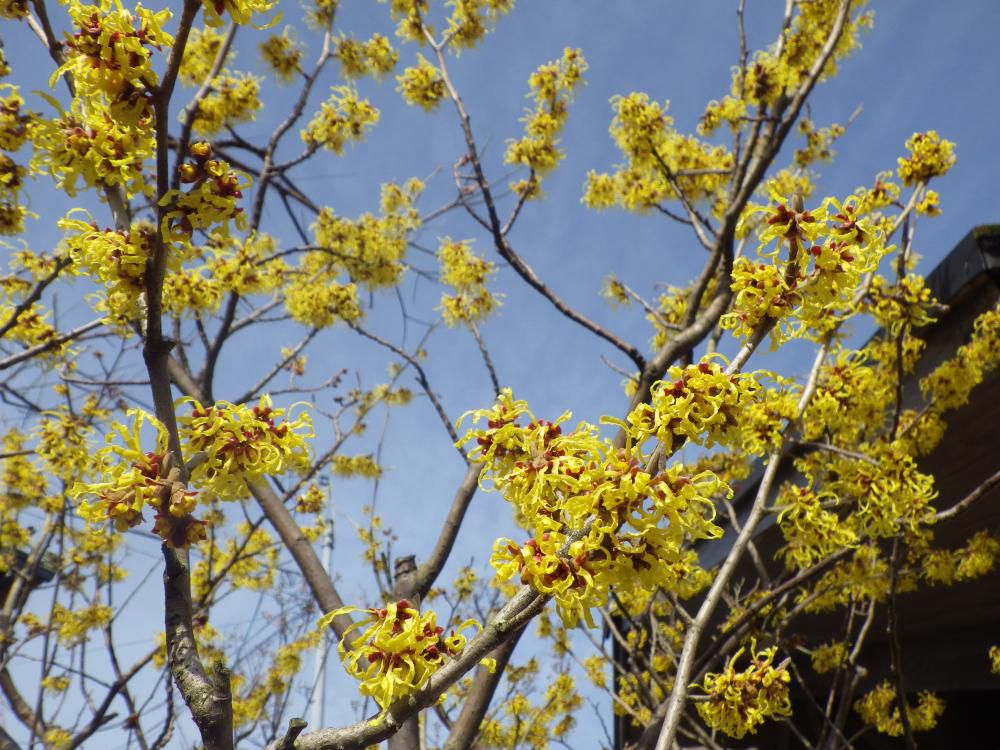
(132, 480)
(598, 517)
(396, 648)
(240, 444)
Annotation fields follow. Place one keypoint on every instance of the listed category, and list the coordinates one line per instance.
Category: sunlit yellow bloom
(739, 702)
(342, 118)
(466, 273)
(110, 54)
(282, 54)
(553, 86)
(243, 443)
(422, 85)
(930, 156)
(397, 650)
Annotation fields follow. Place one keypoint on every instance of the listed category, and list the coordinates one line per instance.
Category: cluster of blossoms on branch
(230, 445)
(739, 702)
(600, 517)
(397, 650)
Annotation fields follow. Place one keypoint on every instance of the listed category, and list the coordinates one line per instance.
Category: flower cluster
(248, 560)
(930, 204)
(817, 146)
(763, 80)
(341, 119)
(245, 266)
(739, 702)
(16, 123)
(849, 403)
(321, 304)
(597, 518)
(804, 294)
(233, 98)
(32, 328)
(282, 54)
(764, 418)
(210, 202)
(240, 11)
(811, 532)
(470, 20)
(728, 110)
(203, 47)
(930, 156)
(661, 164)
(907, 304)
(700, 403)
(89, 145)
(374, 57)
(422, 85)
(243, 444)
(355, 466)
(829, 656)
(116, 259)
(879, 708)
(977, 557)
(370, 248)
(467, 274)
(73, 626)
(882, 194)
(865, 576)
(132, 479)
(408, 15)
(109, 55)
(953, 380)
(397, 650)
(552, 88)
(191, 293)
(888, 491)
(522, 722)
(64, 444)
(811, 27)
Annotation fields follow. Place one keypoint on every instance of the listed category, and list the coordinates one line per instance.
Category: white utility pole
(318, 696)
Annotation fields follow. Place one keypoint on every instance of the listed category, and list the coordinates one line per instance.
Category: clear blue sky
(926, 65)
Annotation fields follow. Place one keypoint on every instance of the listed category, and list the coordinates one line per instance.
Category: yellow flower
(110, 56)
(739, 702)
(233, 98)
(422, 85)
(466, 273)
(930, 156)
(930, 204)
(202, 48)
(342, 118)
(211, 203)
(829, 656)
(397, 650)
(879, 708)
(598, 519)
(282, 54)
(90, 144)
(241, 11)
(132, 479)
(242, 443)
(552, 87)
